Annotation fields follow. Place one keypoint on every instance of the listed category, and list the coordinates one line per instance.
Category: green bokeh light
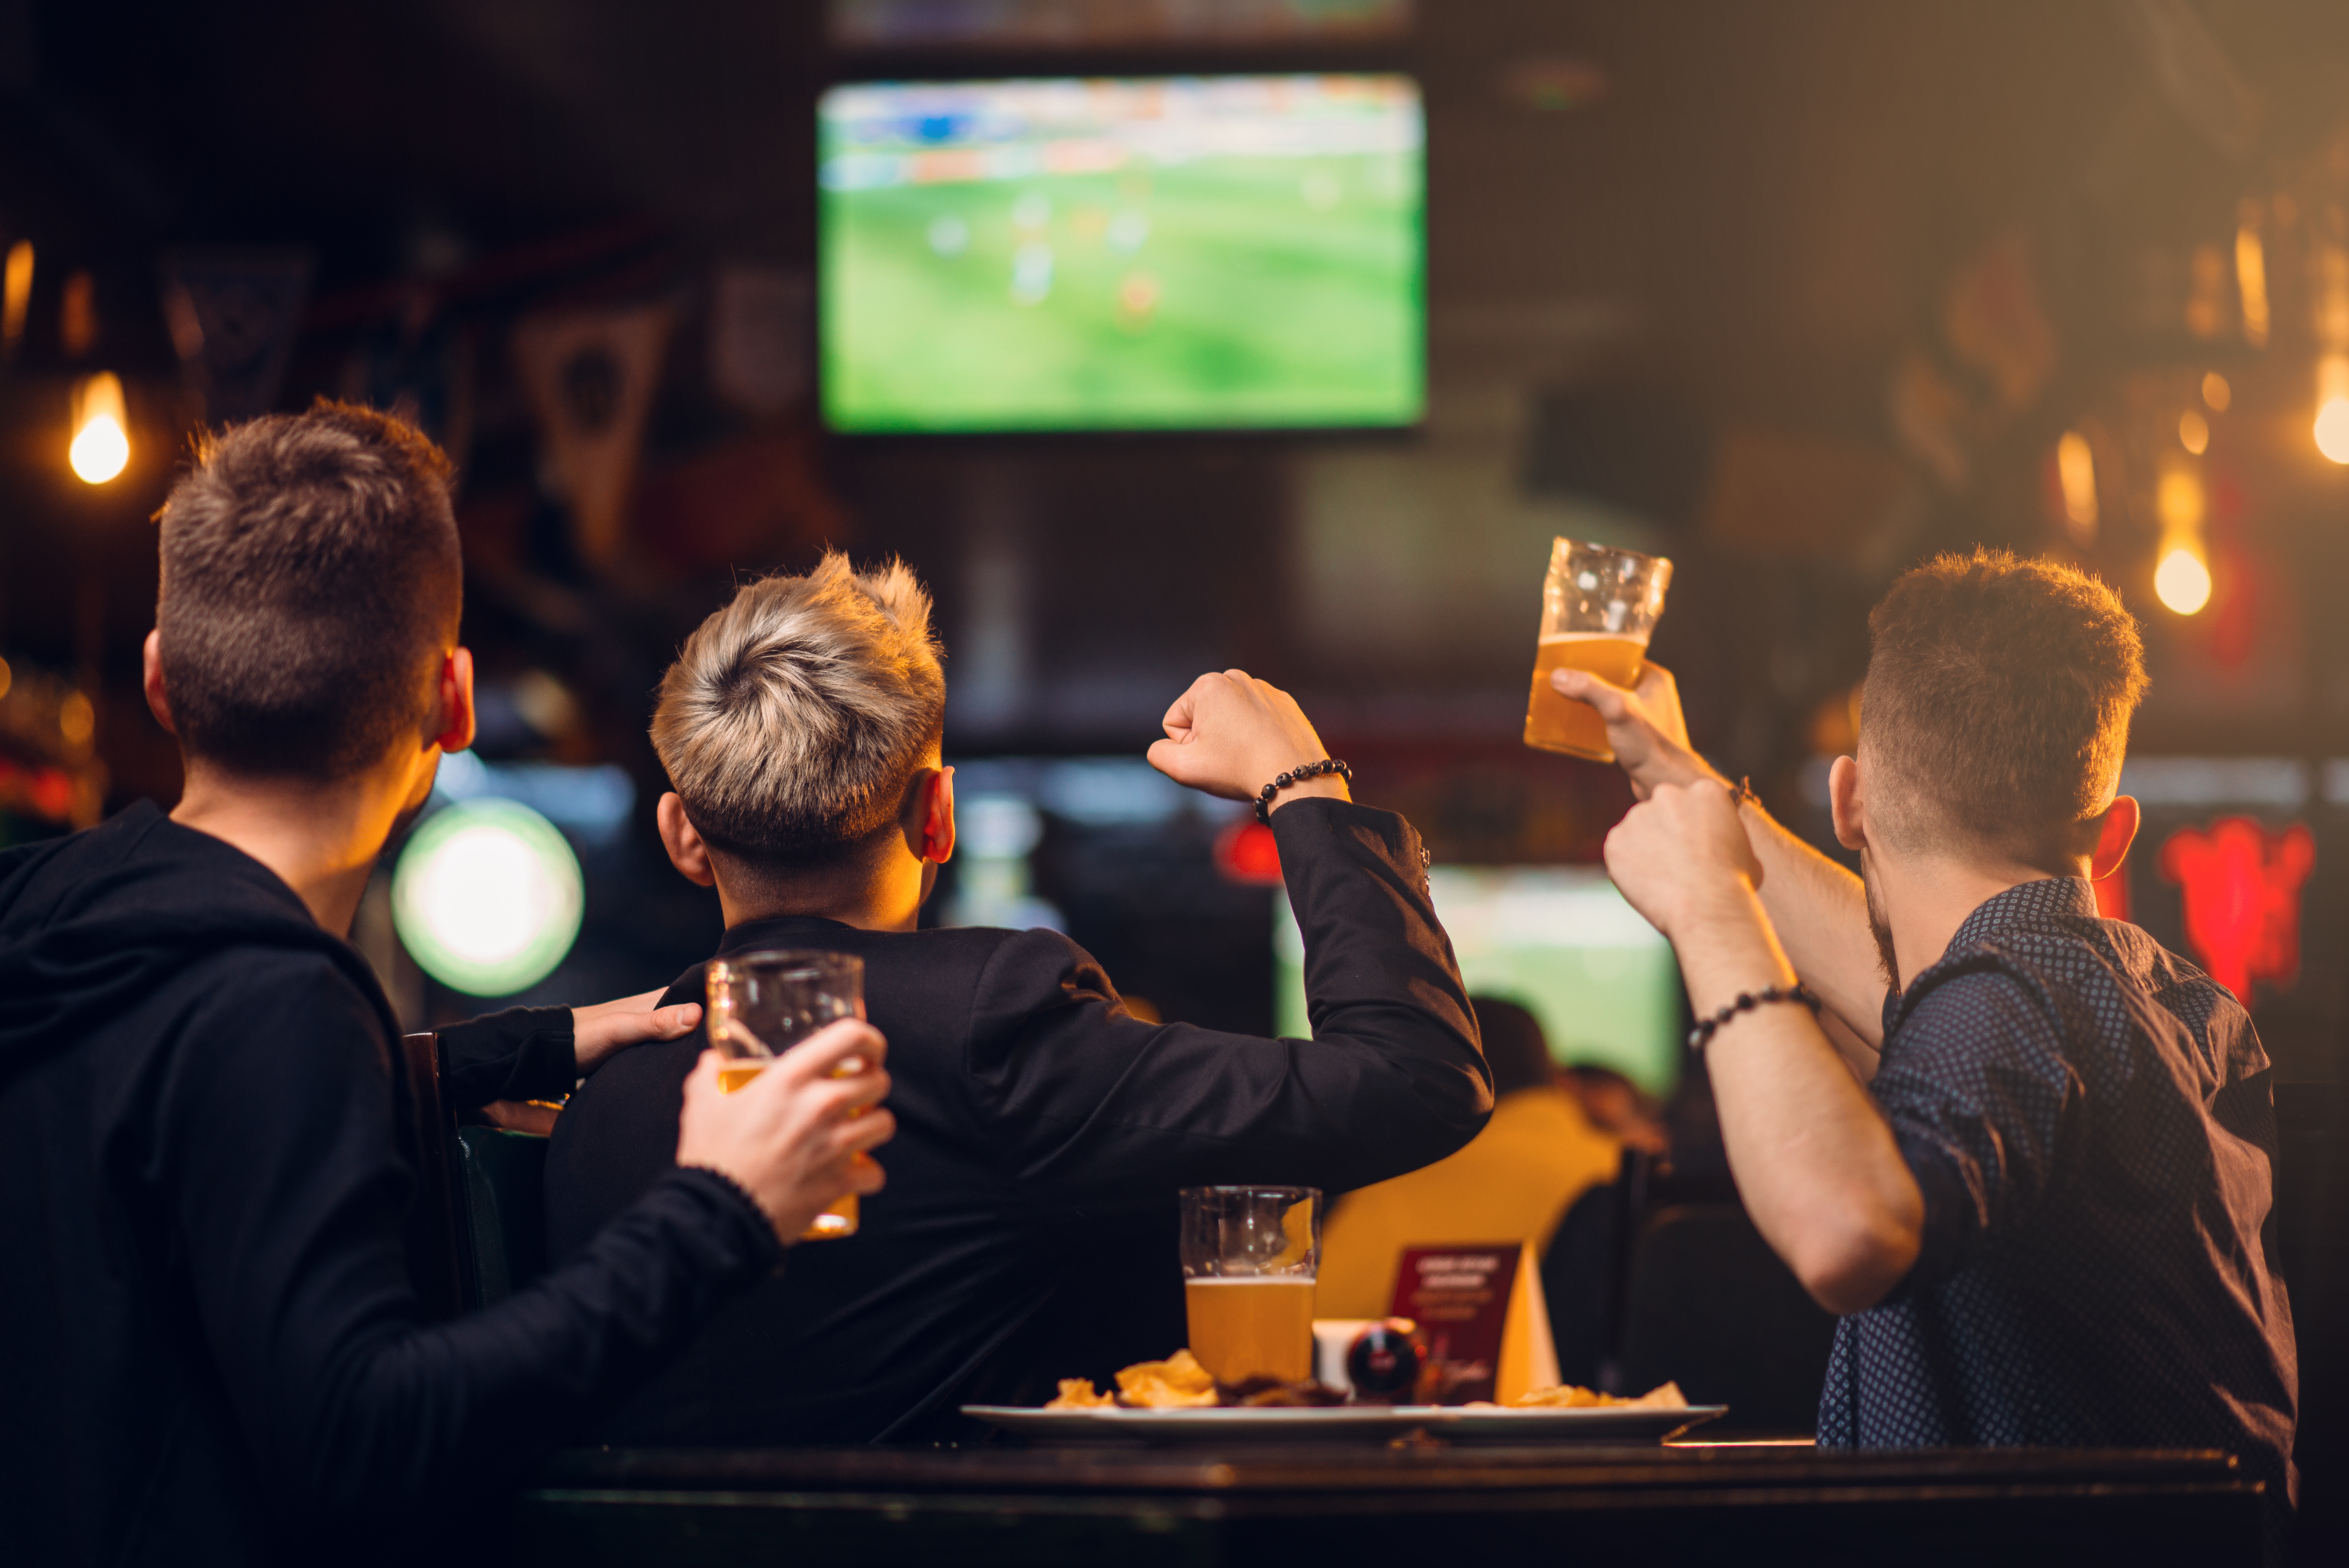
(487, 897)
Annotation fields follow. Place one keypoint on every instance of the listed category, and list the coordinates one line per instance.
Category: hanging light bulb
(2251, 280)
(2075, 472)
(15, 294)
(2332, 406)
(2181, 576)
(101, 438)
(2182, 580)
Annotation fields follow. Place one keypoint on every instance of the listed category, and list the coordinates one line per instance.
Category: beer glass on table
(760, 1005)
(1250, 1255)
(1598, 606)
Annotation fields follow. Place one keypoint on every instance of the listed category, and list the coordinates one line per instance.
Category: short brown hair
(1997, 700)
(795, 718)
(310, 573)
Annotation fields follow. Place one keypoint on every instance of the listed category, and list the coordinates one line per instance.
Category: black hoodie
(210, 1338)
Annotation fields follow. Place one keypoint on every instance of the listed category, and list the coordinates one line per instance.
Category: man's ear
(453, 707)
(2122, 820)
(685, 851)
(1847, 804)
(936, 823)
(159, 703)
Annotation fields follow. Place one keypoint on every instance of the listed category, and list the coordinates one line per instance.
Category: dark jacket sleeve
(1093, 1107)
(289, 1192)
(523, 1053)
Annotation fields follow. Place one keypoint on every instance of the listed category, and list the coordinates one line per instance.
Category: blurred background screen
(1558, 941)
(1097, 24)
(1180, 253)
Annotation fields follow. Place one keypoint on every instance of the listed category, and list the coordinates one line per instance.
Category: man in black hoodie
(207, 1182)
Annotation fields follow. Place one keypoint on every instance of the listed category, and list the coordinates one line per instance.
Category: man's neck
(322, 839)
(890, 901)
(1925, 901)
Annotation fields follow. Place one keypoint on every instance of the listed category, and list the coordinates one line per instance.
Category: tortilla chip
(1566, 1396)
(1079, 1394)
(1178, 1382)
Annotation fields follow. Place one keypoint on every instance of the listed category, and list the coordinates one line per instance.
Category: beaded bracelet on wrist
(1297, 776)
(1701, 1036)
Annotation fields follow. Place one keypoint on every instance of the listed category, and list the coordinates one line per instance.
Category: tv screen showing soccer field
(1211, 253)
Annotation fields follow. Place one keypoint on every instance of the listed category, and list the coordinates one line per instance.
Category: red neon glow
(2240, 891)
(1247, 852)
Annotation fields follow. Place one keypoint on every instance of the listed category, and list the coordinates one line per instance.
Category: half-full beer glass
(1598, 606)
(1250, 1255)
(760, 1005)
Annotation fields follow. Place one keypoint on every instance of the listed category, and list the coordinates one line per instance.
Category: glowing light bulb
(2217, 393)
(2182, 581)
(2332, 430)
(2075, 470)
(101, 438)
(2194, 432)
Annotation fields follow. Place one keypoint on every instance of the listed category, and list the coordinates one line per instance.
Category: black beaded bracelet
(1701, 1036)
(1297, 776)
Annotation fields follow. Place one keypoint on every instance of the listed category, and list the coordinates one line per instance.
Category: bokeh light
(487, 897)
(101, 444)
(2182, 581)
(2332, 430)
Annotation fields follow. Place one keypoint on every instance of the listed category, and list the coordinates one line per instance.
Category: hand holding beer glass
(1599, 606)
(762, 1004)
(1250, 1256)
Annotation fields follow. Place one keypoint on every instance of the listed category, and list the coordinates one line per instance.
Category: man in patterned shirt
(2034, 1177)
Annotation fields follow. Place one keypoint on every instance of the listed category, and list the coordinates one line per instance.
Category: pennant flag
(590, 378)
(423, 375)
(233, 316)
(759, 357)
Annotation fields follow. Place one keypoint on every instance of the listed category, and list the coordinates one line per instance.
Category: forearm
(522, 1053)
(1814, 1160)
(388, 1415)
(1819, 910)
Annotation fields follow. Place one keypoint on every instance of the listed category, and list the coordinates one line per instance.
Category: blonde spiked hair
(795, 717)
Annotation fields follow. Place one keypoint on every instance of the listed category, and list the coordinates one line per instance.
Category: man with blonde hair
(1027, 1233)
(2034, 1174)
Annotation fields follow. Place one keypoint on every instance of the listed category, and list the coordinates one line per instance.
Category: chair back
(433, 1226)
(502, 1219)
(1709, 1306)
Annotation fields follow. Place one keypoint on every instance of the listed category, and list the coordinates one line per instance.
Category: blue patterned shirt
(2090, 1121)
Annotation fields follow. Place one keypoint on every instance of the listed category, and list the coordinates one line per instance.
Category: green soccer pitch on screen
(1214, 253)
(1558, 941)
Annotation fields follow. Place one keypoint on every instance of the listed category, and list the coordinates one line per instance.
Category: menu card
(1482, 1320)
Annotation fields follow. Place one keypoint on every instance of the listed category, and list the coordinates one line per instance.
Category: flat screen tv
(1558, 941)
(1193, 252)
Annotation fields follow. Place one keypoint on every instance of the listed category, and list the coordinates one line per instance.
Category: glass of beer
(1250, 1255)
(1598, 606)
(760, 1005)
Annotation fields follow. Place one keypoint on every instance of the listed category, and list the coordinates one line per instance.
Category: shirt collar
(777, 931)
(2025, 904)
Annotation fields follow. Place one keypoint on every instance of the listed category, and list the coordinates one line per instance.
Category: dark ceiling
(1771, 193)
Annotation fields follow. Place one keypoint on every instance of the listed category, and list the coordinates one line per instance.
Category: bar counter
(1142, 1508)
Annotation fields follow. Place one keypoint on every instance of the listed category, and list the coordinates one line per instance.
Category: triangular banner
(759, 332)
(590, 379)
(421, 374)
(233, 316)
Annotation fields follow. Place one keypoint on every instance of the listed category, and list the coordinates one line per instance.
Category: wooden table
(1299, 1507)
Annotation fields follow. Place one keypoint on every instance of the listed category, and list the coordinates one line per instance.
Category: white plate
(1587, 1424)
(1355, 1423)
